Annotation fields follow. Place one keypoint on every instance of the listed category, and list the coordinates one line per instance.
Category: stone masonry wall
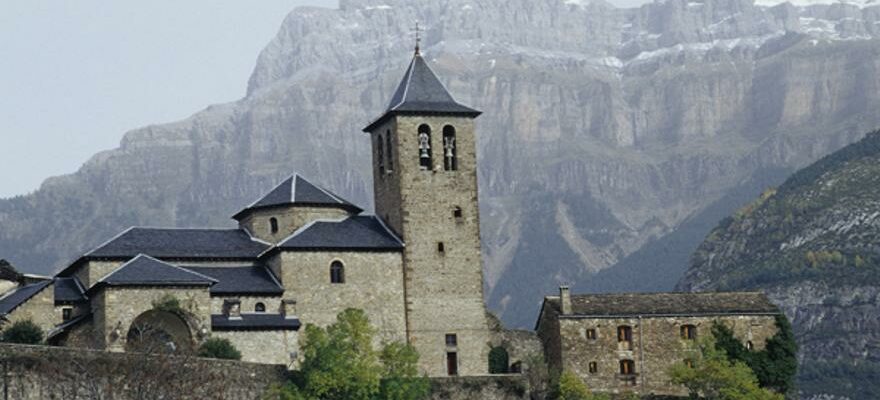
(373, 283)
(266, 347)
(40, 309)
(92, 271)
(43, 372)
(444, 289)
(656, 345)
(289, 219)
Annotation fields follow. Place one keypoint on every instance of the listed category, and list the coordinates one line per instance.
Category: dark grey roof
(647, 304)
(256, 280)
(254, 322)
(19, 296)
(181, 244)
(144, 270)
(68, 290)
(296, 190)
(421, 91)
(354, 233)
(66, 325)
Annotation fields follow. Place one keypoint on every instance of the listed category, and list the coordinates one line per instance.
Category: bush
(219, 348)
(23, 332)
(775, 366)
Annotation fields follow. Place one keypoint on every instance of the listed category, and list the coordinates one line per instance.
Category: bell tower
(425, 188)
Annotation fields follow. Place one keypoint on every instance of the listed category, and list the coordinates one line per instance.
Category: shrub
(23, 332)
(219, 348)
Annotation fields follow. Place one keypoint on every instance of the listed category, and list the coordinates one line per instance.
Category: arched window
(450, 154)
(594, 367)
(624, 337)
(337, 272)
(273, 225)
(260, 307)
(499, 360)
(380, 155)
(627, 367)
(689, 332)
(425, 162)
(389, 151)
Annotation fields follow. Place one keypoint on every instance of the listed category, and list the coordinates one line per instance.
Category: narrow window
(594, 367)
(66, 313)
(380, 155)
(273, 225)
(451, 340)
(425, 162)
(441, 248)
(337, 272)
(627, 367)
(591, 334)
(260, 307)
(624, 337)
(750, 345)
(388, 151)
(689, 363)
(457, 213)
(450, 156)
(452, 363)
(689, 332)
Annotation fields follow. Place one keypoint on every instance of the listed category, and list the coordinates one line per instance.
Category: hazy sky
(76, 75)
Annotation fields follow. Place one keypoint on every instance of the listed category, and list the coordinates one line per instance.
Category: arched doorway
(158, 331)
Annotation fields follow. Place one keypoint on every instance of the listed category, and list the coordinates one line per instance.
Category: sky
(76, 75)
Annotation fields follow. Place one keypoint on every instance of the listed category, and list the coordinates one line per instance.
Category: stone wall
(40, 309)
(248, 303)
(267, 347)
(290, 218)
(92, 271)
(521, 345)
(656, 345)
(42, 372)
(373, 283)
(444, 288)
(496, 387)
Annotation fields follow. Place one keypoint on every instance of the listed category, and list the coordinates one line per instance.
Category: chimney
(288, 308)
(232, 308)
(565, 300)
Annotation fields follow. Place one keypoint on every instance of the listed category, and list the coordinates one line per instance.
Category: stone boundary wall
(45, 372)
(490, 387)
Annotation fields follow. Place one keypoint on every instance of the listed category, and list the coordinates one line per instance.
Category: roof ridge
(145, 256)
(409, 74)
(108, 241)
(387, 229)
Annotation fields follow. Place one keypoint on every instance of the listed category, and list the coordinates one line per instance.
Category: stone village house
(301, 254)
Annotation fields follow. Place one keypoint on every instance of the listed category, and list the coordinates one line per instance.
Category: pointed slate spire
(296, 190)
(421, 92)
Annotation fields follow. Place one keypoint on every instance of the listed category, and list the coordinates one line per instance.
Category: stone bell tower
(425, 188)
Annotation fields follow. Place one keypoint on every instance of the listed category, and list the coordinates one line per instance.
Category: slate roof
(354, 233)
(256, 280)
(421, 91)
(144, 270)
(17, 297)
(64, 326)
(254, 322)
(660, 304)
(68, 290)
(296, 190)
(181, 243)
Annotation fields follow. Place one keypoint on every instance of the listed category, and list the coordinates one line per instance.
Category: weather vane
(418, 32)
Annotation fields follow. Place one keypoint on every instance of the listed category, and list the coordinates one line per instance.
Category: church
(301, 254)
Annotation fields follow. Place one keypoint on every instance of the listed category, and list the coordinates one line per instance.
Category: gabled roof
(254, 322)
(665, 304)
(241, 280)
(421, 91)
(354, 233)
(144, 270)
(19, 296)
(176, 243)
(296, 190)
(68, 290)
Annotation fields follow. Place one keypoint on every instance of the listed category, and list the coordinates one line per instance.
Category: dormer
(289, 206)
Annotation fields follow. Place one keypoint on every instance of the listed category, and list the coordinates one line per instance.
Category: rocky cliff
(612, 139)
(812, 245)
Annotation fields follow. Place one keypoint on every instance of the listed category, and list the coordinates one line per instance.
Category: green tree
(775, 366)
(23, 332)
(715, 377)
(339, 363)
(572, 388)
(219, 348)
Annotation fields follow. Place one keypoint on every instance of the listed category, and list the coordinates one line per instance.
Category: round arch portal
(158, 331)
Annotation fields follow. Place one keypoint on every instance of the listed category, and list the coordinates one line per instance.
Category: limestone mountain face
(812, 245)
(611, 140)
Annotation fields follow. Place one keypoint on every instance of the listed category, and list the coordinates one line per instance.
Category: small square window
(451, 340)
(457, 213)
(594, 367)
(591, 334)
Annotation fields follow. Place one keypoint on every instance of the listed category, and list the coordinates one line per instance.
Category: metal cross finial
(418, 31)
